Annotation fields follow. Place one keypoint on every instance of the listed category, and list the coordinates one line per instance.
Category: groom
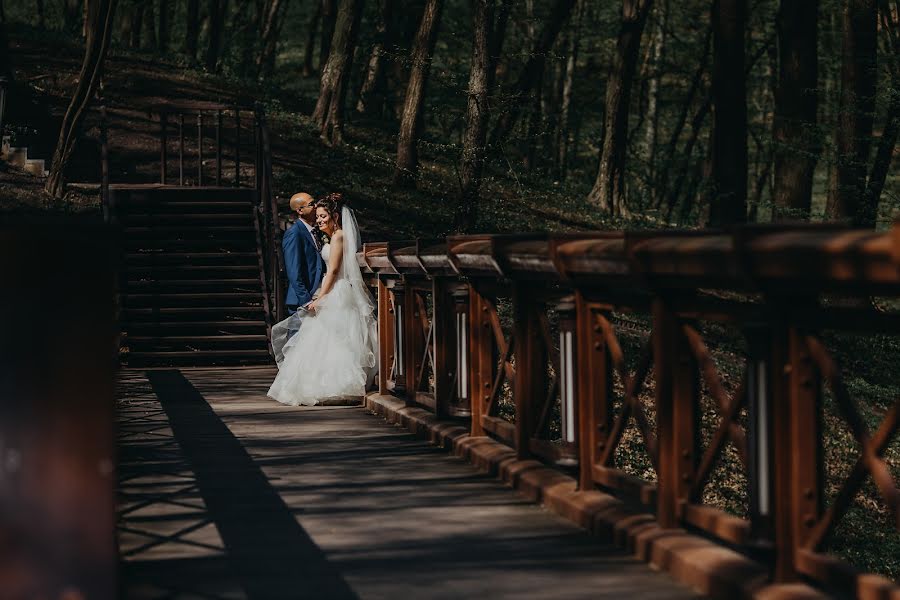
(302, 261)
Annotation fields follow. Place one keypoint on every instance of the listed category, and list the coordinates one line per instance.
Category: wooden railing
(510, 331)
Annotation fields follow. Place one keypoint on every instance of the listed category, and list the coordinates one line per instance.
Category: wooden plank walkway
(224, 493)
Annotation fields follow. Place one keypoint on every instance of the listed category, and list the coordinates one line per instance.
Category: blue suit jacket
(303, 264)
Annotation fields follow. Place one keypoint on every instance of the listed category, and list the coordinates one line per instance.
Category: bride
(333, 354)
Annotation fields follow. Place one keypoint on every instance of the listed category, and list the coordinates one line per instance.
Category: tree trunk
(217, 10)
(608, 192)
(797, 146)
(193, 29)
(728, 198)
(268, 35)
(164, 7)
(856, 112)
(329, 111)
(150, 26)
(73, 15)
(650, 133)
(40, 11)
(411, 123)
(565, 110)
(329, 17)
(374, 79)
(96, 45)
(308, 48)
(137, 24)
(529, 79)
(671, 147)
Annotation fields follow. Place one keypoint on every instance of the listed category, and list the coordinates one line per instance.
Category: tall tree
(308, 48)
(648, 147)
(856, 113)
(329, 21)
(329, 111)
(270, 27)
(137, 24)
(100, 14)
(609, 188)
(374, 77)
(528, 83)
(797, 146)
(485, 44)
(165, 7)
(728, 200)
(192, 33)
(411, 122)
(73, 15)
(217, 11)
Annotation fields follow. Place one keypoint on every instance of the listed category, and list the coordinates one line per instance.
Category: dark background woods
(501, 114)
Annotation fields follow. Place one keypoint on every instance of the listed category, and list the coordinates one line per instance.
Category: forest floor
(363, 167)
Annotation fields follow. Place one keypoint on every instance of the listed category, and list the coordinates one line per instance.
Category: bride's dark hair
(333, 202)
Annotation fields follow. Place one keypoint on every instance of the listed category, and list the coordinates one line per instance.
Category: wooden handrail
(459, 356)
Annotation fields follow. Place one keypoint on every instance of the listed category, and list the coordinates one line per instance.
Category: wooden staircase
(191, 290)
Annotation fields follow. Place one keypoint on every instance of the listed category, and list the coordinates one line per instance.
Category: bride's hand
(311, 307)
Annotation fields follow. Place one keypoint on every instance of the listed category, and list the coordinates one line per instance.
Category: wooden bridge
(664, 396)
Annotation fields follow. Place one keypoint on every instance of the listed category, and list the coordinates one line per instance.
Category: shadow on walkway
(267, 550)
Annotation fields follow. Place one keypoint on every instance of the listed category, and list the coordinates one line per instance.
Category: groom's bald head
(304, 205)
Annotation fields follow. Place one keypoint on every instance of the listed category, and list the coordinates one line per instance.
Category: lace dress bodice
(326, 252)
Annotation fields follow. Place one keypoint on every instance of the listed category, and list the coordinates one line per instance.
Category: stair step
(204, 357)
(195, 339)
(146, 282)
(196, 259)
(17, 156)
(210, 299)
(35, 166)
(187, 219)
(189, 246)
(224, 327)
(150, 314)
(187, 273)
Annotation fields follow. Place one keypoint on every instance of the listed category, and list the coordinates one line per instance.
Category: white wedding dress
(333, 353)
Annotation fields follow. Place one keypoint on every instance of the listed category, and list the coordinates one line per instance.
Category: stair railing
(267, 209)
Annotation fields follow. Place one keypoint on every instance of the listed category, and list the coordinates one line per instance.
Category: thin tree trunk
(40, 11)
(608, 192)
(729, 145)
(329, 111)
(268, 35)
(308, 48)
(217, 10)
(96, 45)
(856, 111)
(650, 133)
(150, 26)
(329, 17)
(411, 122)
(193, 29)
(565, 114)
(670, 152)
(164, 7)
(477, 113)
(73, 15)
(137, 24)
(797, 146)
(529, 79)
(374, 79)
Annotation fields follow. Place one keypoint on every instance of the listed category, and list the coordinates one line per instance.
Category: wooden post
(479, 356)
(237, 148)
(444, 329)
(385, 337)
(530, 382)
(797, 427)
(412, 343)
(108, 210)
(675, 371)
(399, 312)
(181, 149)
(163, 142)
(200, 149)
(219, 147)
(593, 389)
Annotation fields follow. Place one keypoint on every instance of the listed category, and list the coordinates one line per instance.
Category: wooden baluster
(413, 342)
(593, 389)
(237, 148)
(398, 305)
(181, 149)
(200, 149)
(163, 143)
(385, 336)
(444, 331)
(530, 381)
(479, 356)
(219, 147)
(675, 371)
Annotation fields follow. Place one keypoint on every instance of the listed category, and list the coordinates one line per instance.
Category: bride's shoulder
(338, 236)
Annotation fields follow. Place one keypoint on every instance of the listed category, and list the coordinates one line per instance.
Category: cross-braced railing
(532, 339)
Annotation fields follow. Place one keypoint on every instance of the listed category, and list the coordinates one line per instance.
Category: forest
(648, 113)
